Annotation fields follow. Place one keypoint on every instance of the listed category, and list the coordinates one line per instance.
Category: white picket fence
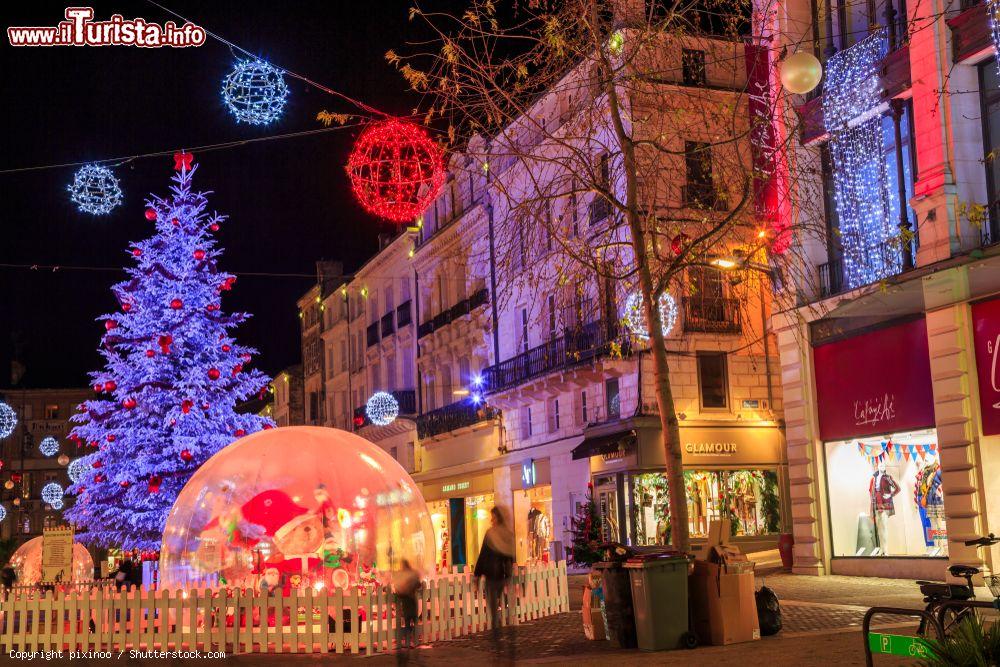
(243, 621)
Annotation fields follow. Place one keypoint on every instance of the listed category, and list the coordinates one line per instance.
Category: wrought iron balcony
(454, 416)
(446, 317)
(404, 314)
(831, 278)
(576, 346)
(711, 315)
(388, 324)
(372, 334)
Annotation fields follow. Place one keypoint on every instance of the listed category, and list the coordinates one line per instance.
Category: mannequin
(882, 488)
(930, 504)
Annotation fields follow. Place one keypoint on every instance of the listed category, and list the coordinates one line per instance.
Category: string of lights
(851, 104)
(993, 10)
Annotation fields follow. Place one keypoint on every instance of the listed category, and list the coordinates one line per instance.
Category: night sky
(289, 201)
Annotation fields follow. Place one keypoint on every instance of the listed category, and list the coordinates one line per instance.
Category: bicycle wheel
(953, 617)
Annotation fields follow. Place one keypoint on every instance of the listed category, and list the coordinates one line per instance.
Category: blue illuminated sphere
(255, 92)
(3, 512)
(95, 190)
(382, 408)
(52, 493)
(8, 420)
(48, 446)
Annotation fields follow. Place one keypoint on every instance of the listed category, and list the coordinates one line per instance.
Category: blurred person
(405, 584)
(495, 564)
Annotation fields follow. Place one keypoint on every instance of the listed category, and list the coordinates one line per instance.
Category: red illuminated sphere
(186, 456)
(199, 254)
(150, 214)
(176, 304)
(396, 169)
(213, 373)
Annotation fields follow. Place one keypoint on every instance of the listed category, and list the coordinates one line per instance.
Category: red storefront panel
(877, 382)
(986, 337)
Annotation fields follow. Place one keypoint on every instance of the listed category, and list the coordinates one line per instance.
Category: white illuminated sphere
(76, 469)
(27, 563)
(382, 408)
(8, 420)
(289, 498)
(48, 446)
(255, 92)
(3, 512)
(801, 72)
(52, 493)
(95, 190)
(635, 315)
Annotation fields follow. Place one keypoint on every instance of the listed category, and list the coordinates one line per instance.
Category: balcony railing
(388, 324)
(711, 315)
(574, 347)
(372, 334)
(446, 317)
(831, 278)
(407, 399)
(404, 314)
(454, 416)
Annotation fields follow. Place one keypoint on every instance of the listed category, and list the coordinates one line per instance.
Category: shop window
(712, 380)
(612, 398)
(553, 415)
(889, 496)
(748, 498)
(52, 411)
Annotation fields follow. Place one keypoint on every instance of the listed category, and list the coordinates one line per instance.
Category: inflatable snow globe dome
(291, 507)
(27, 564)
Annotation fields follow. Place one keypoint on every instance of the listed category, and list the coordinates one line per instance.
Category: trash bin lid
(648, 559)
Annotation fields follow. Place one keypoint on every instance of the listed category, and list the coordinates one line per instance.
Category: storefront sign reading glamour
(874, 383)
(986, 337)
(711, 448)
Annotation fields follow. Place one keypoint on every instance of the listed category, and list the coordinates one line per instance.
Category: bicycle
(952, 596)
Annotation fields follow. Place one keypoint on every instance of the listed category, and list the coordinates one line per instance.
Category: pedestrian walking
(495, 563)
(405, 584)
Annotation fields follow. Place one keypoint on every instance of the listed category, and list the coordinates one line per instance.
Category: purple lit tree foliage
(173, 376)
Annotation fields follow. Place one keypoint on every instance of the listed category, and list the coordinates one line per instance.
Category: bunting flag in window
(852, 100)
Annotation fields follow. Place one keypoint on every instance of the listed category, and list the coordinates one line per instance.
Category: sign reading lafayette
(986, 337)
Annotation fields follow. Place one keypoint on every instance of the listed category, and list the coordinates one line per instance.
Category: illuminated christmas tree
(173, 377)
(586, 531)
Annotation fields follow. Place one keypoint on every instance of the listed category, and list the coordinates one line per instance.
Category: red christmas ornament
(126, 307)
(182, 160)
(96, 464)
(112, 437)
(396, 169)
(154, 483)
(125, 484)
(212, 307)
(186, 405)
(213, 373)
(199, 254)
(150, 214)
(359, 421)
(678, 243)
(99, 477)
(186, 456)
(150, 353)
(110, 324)
(93, 443)
(245, 357)
(176, 304)
(226, 348)
(110, 386)
(129, 403)
(175, 222)
(227, 284)
(268, 427)
(238, 368)
(165, 341)
(98, 387)
(240, 433)
(136, 252)
(214, 227)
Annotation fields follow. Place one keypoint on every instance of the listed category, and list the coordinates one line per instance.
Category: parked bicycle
(952, 596)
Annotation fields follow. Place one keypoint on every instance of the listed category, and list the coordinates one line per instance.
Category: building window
(989, 89)
(583, 408)
(553, 415)
(525, 422)
(524, 329)
(313, 406)
(699, 188)
(712, 380)
(612, 398)
(693, 66)
(552, 317)
(52, 411)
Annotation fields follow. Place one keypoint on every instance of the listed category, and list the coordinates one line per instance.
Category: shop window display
(889, 496)
(438, 510)
(533, 524)
(749, 498)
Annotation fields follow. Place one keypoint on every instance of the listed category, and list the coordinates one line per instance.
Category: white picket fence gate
(244, 621)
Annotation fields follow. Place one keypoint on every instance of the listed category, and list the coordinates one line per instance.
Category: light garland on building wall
(49, 446)
(851, 98)
(95, 190)
(255, 92)
(382, 408)
(634, 315)
(993, 9)
(8, 420)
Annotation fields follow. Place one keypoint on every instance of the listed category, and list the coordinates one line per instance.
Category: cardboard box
(723, 605)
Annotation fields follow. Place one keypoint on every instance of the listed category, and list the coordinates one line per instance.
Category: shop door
(456, 509)
(607, 505)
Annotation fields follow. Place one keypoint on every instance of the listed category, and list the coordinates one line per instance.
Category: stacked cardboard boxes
(722, 591)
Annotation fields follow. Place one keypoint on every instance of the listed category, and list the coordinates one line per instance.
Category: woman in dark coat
(495, 563)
